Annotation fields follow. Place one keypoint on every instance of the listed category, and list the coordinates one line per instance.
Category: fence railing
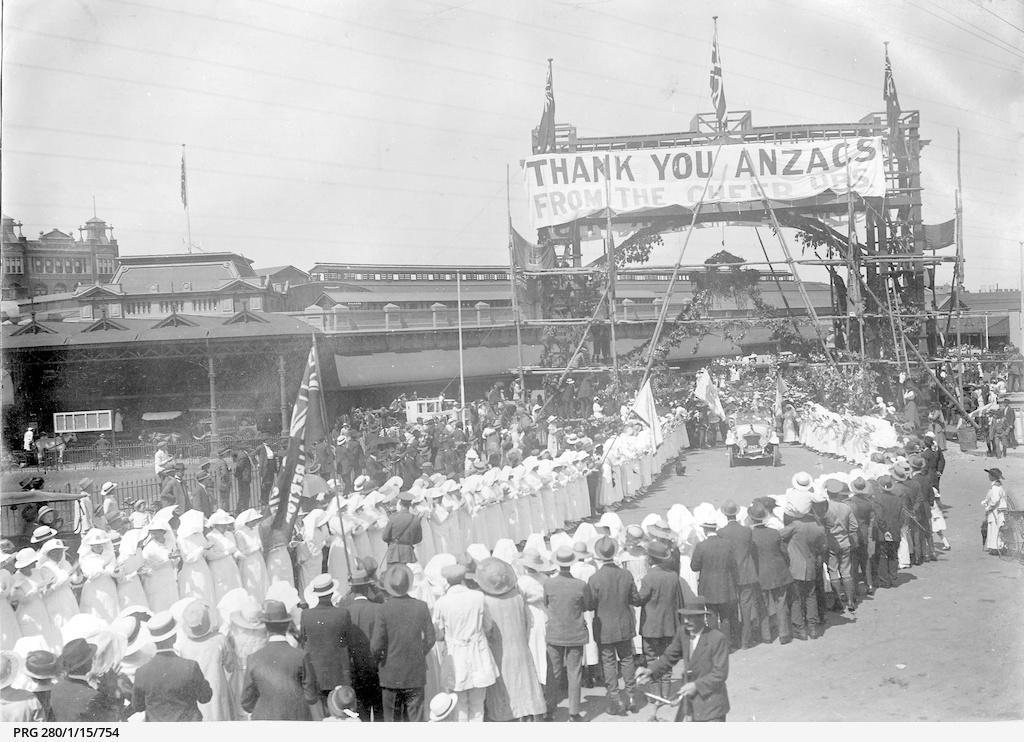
(231, 494)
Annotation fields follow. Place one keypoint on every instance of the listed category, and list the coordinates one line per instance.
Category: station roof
(175, 328)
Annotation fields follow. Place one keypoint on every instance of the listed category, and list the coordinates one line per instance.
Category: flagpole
(610, 256)
(462, 375)
(184, 200)
(512, 281)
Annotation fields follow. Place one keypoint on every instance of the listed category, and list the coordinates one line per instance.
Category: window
(37, 265)
(48, 265)
(205, 305)
(406, 277)
(171, 306)
(14, 264)
(376, 276)
(105, 265)
(79, 266)
(431, 276)
(136, 307)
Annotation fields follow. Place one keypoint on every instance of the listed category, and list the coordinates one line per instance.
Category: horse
(55, 445)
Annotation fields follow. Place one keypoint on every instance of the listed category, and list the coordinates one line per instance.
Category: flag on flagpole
(184, 181)
(546, 129)
(307, 428)
(643, 407)
(708, 392)
(780, 391)
(717, 85)
(528, 256)
(892, 108)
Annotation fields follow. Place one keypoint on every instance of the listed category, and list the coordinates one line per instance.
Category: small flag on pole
(892, 107)
(306, 430)
(546, 129)
(717, 85)
(643, 407)
(184, 181)
(708, 392)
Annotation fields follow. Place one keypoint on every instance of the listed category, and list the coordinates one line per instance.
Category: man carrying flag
(306, 430)
(643, 407)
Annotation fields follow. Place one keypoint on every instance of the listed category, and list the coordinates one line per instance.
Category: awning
(161, 416)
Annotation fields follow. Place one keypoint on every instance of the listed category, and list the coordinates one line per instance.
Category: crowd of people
(485, 593)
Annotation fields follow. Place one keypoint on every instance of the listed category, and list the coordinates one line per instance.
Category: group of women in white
(848, 436)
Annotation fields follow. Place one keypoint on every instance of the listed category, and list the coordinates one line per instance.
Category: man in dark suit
(72, 698)
(325, 633)
(280, 682)
(172, 491)
(169, 687)
(806, 545)
(773, 576)
(661, 597)
(266, 467)
(863, 510)
(614, 595)
(403, 636)
(364, 613)
(923, 505)
(747, 589)
(705, 655)
(888, 509)
(566, 599)
(715, 560)
(907, 492)
(402, 533)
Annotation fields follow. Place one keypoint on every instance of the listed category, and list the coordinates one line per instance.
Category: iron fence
(139, 454)
(230, 494)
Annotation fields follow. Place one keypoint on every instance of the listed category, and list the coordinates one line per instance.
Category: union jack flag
(717, 85)
(546, 129)
(306, 430)
(892, 108)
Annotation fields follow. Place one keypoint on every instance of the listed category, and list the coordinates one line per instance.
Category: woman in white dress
(98, 564)
(195, 579)
(10, 629)
(789, 425)
(995, 512)
(279, 561)
(27, 591)
(222, 555)
(583, 569)
(309, 549)
(531, 584)
(250, 554)
(129, 564)
(55, 569)
(160, 570)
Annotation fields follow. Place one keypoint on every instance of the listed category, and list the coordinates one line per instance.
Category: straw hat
(442, 705)
(495, 577)
(107, 488)
(533, 561)
(802, 481)
(162, 626)
(43, 668)
(96, 537)
(25, 557)
(197, 620)
(564, 556)
(221, 518)
(42, 533)
(247, 618)
(361, 482)
(323, 585)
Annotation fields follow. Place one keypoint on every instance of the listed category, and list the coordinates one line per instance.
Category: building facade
(56, 262)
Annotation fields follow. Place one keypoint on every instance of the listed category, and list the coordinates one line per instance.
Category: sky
(332, 130)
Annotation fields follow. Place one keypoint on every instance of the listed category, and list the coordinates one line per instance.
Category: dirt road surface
(947, 644)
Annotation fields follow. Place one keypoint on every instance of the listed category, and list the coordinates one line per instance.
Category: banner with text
(563, 187)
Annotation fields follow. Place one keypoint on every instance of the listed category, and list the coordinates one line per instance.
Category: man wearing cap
(715, 559)
(200, 494)
(773, 577)
(748, 591)
(364, 614)
(462, 622)
(806, 546)
(169, 687)
(403, 636)
(280, 682)
(888, 527)
(325, 632)
(402, 532)
(661, 597)
(566, 598)
(613, 595)
(705, 655)
(842, 536)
